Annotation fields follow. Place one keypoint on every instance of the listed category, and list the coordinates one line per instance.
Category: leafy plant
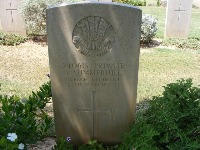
(148, 28)
(63, 144)
(172, 121)
(11, 142)
(26, 117)
(34, 15)
(191, 43)
(92, 145)
(11, 39)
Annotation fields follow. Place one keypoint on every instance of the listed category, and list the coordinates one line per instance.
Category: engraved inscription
(82, 74)
(93, 36)
(94, 110)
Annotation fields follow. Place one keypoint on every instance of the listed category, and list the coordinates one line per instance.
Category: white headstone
(94, 58)
(11, 21)
(178, 18)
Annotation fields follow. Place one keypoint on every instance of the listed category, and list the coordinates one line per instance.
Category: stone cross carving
(11, 10)
(94, 112)
(179, 10)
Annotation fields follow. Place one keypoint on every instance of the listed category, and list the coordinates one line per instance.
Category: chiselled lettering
(102, 74)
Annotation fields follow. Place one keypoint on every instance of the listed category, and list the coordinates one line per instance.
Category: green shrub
(25, 117)
(172, 121)
(133, 2)
(190, 43)
(11, 39)
(34, 14)
(148, 28)
(10, 142)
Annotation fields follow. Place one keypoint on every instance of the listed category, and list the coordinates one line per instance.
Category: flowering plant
(63, 143)
(26, 117)
(10, 142)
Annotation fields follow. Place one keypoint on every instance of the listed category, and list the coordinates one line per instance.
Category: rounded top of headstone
(92, 3)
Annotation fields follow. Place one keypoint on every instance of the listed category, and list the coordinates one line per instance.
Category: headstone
(94, 54)
(11, 21)
(178, 18)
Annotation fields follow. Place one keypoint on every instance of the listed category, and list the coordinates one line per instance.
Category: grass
(22, 69)
(160, 66)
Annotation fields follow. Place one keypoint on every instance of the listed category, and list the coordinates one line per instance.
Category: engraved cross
(179, 10)
(94, 112)
(11, 11)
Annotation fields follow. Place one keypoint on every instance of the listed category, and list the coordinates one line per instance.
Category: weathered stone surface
(178, 18)
(11, 21)
(94, 55)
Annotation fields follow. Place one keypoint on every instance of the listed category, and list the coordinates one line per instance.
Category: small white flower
(21, 146)
(12, 137)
